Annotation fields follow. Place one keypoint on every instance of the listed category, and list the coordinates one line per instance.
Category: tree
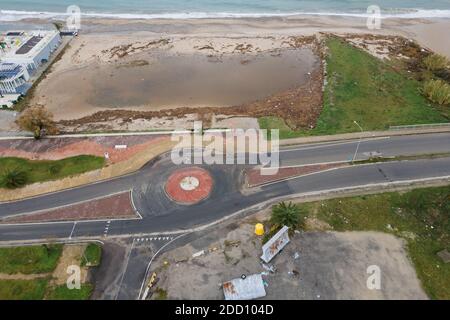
(14, 178)
(58, 25)
(288, 214)
(37, 120)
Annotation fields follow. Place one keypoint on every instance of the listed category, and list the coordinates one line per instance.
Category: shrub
(37, 120)
(435, 62)
(14, 179)
(54, 169)
(288, 214)
(92, 255)
(437, 91)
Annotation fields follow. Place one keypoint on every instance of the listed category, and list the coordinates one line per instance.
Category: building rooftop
(14, 33)
(251, 287)
(30, 44)
(24, 44)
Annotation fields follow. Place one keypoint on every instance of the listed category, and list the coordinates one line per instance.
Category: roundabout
(189, 185)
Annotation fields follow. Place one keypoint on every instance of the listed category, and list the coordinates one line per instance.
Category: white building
(29, 49)
(13, 78)
(21, 54)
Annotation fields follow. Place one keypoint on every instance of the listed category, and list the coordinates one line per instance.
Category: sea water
(13, 10)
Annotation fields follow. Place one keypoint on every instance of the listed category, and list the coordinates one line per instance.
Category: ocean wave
(16, 15)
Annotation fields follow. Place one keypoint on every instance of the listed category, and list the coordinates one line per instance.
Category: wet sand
(149, 65)
(178, 81)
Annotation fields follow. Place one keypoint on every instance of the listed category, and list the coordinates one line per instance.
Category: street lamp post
(359, 142)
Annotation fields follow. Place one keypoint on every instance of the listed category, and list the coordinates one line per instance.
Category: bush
(288, 214)
(92, 255)
(54, 169)
(437, 91)
(14, 178)
(37, 120)
(435, 62)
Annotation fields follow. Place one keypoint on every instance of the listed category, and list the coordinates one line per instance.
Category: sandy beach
(428, 32)
(181, 70)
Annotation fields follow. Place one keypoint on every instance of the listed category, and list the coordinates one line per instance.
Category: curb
(299, 197)
(361, 135)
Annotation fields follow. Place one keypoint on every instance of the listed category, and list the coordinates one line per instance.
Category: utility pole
(359, 142)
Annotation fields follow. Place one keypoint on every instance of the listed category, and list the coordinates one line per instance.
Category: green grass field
(63, 293)
(365, 89)
(92, 255)
(23, 289)
(44, 170)
(40, 261)
(29, 259)
(421, 217)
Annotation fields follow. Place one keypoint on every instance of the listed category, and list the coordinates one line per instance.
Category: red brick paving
(60, 148)
(177, 194)
(254, 177)
(113, 207)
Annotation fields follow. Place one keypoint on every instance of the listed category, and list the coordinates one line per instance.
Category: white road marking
(151, 260)
(73, 228)
(125, 270)
(105, 233)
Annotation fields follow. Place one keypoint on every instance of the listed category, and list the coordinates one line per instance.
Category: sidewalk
(365, 134)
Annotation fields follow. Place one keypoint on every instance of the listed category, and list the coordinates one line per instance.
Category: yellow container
(259, 229)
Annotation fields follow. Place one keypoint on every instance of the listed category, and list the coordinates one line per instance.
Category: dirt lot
(330, 265)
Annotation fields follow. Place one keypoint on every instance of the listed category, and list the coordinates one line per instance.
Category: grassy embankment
(92, 255)
(39, 262)
(45, 170)
(421, 217)
(363, 88)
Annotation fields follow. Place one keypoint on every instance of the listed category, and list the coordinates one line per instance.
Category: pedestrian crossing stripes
(105, 232)
(148, 239)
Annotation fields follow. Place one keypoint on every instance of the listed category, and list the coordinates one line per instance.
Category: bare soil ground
(71, 255)
(330, 265)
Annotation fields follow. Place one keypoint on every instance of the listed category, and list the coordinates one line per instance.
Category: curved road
(161, 215)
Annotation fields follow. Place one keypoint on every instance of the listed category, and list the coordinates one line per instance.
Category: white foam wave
(16, 15)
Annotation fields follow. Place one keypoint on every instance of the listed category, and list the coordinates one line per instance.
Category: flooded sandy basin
(171, 81)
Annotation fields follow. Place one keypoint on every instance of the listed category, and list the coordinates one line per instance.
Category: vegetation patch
(16, 172)
(39, 272)
(360, 87)
(29, 259)
(63, 293)
(160, 294)
(14, 178)
(437, 91)
(286, 214)
(92, 255)
(23, 289)
(435, 62)
(421, 217)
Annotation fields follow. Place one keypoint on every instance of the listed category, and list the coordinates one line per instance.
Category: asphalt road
(159, 214)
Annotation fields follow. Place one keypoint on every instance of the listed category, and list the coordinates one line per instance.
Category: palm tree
(288, 214)
(14, 178)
